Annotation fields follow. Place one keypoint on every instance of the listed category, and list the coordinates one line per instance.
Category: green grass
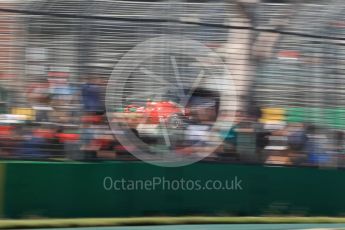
(91, 222)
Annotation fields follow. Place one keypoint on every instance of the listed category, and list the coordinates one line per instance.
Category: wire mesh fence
(102, 79)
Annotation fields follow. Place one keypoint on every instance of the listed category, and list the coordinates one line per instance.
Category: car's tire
(176, 121)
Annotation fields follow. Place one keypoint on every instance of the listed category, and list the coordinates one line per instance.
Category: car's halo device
(171, 91)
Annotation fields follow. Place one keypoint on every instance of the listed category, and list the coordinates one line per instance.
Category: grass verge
(136, 221)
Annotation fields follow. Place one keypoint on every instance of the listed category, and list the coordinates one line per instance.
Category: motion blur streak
(285, 61)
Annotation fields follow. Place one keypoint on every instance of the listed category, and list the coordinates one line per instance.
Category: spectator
(92, 97)
(316, 147)
(228, 149)
(61, 90)
(297, 137)
(37, 145)
(39, 96)
(339, 137)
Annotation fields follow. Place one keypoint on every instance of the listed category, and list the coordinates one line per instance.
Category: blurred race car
(167, 113)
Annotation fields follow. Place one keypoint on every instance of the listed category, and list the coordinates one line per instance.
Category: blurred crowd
(63, 120)
(54, 117)
(68, 122)
(279, 143)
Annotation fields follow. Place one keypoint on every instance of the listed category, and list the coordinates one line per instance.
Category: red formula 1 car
(167, 113)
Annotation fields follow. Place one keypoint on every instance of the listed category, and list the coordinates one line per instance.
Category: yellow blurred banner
(29, 113)
(272, 115)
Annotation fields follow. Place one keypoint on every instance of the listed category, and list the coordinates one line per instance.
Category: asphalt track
(218, 227)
